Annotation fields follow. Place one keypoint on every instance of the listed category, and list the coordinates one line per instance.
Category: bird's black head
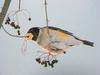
(32, 33)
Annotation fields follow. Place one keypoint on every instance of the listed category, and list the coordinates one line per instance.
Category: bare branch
(4, 11)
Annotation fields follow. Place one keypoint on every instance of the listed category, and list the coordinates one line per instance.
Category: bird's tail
(87, 43)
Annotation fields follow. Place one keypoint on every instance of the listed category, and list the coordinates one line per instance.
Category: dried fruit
(18, 32)
(29, 19)
(12, 24)
(17, 26)
(38, 60)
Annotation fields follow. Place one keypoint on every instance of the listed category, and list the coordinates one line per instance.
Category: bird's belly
(53, 45)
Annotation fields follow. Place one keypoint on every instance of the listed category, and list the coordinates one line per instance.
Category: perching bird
(54, 40)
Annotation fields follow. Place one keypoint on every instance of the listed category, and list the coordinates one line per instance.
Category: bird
(55, 40)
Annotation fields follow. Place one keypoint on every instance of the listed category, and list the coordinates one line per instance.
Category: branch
(4, 11)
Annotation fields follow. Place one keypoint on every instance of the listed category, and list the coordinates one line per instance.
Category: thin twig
(10, 33)
(46, 16)
(46, 13)
(19, 4)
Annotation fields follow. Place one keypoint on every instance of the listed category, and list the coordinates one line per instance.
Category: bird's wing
(58, 38)
(62, 39)
(59, 34)
(59, 29)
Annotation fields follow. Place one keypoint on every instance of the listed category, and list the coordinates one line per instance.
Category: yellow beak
(29, 36)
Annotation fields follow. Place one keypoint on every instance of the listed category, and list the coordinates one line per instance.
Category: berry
(18, 32)
(12, 24)
(38, 60)
(17, 26)
(45, 65)
(56, 61)
(52, 65)
(29, 19)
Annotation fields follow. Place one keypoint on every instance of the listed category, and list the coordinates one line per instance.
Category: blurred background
(81, 17)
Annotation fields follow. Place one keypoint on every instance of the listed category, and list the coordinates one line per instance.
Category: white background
(81, 17)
